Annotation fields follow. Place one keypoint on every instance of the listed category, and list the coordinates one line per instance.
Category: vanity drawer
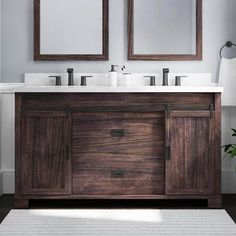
(109, 174)
(118, 153)
(118, 133)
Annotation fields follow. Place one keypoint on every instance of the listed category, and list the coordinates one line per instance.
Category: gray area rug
(117, 223)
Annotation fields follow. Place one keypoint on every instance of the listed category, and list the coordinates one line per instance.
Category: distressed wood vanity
(118, 146)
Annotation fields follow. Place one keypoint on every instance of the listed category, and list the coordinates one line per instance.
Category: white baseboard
(1, 183)
(229, 182)
(7, 182)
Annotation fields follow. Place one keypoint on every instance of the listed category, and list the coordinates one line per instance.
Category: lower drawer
(118, 175)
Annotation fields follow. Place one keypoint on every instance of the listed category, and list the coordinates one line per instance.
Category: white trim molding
(7, 181)
(228, 182)
(1, 183)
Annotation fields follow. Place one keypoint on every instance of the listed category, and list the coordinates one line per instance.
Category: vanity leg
(215, 202)
(21, 203)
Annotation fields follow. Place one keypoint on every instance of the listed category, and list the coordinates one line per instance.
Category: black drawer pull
(117, 132)
(167, 153)
(117, 174)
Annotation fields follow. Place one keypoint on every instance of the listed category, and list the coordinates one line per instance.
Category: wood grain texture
(66, 57)
(187, 171)
(215, 202)
(138, 155)
(119, 141)
(94, 102)
(165, 57)
(21, 203)
(45, 153)
(216, 155)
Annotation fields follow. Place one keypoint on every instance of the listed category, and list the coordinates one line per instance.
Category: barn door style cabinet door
(46, 153)
(124, 146)
(190, 146)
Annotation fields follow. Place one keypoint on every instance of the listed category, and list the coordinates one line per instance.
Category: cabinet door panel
(45, 153)
(191, 143)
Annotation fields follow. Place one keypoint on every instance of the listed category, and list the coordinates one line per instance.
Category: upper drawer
(118, 133)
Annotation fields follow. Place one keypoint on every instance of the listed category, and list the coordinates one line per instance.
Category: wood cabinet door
(190, 145)
(118, 153)
(45, 153)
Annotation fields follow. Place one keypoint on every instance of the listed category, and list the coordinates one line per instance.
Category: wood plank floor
(229, 204)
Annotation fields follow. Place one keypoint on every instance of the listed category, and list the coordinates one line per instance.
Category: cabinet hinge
(67, 110)
(67, 152)
(167, 153)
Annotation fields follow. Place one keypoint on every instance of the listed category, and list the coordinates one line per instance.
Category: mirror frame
(164, 57)
(70, 57)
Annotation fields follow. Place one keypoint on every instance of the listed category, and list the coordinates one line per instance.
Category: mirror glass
(72, 28)
(164, 27)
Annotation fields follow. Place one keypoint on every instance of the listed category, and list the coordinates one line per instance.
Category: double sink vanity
(97, 141)
(118, 143)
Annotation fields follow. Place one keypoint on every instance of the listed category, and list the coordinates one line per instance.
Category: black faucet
(165, 76)
(70, 72)
(178, 80)
(152, 80)
(58, 80)
(84, 80)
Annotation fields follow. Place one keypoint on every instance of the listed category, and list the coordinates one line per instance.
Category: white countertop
(107, 89)
(9, 87)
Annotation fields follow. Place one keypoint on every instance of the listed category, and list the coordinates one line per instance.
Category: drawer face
(118, 153)
(112, 101)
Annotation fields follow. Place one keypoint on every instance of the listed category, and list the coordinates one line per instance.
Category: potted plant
(230, 149)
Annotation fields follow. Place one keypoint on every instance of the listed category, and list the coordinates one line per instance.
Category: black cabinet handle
(167, 153)
(118, 133)
(67, 152)
(117, 174)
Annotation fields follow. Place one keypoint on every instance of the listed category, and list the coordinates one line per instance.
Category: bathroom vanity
(130, 145)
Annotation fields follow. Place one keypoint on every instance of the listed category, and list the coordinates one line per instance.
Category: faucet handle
(58, 80)
(84, 80)
(152, 80)
(113, 68)
(178, 80)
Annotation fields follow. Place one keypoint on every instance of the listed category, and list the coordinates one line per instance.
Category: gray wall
(17, 41)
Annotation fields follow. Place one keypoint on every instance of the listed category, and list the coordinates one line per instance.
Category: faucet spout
(70, 72)
(165, 76)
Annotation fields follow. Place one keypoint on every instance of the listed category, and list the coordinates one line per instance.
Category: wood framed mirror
(165, 30)
(71, 30)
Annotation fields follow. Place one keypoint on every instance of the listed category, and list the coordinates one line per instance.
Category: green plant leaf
(227, 147)
(230, 149)
(234, 132)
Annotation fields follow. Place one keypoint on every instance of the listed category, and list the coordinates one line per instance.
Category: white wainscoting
(1, 183)
(8, 181)
(7, 141)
